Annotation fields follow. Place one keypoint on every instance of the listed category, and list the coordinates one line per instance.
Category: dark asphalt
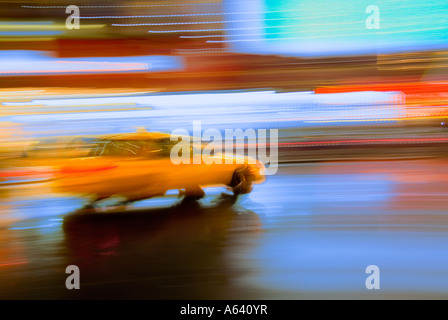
(309, 231)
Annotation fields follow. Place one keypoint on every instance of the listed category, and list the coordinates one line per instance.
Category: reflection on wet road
(309, 231)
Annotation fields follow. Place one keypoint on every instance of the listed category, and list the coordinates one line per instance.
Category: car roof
(142, 135)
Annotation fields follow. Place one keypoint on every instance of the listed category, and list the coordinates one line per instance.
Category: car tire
(240, 184)
(194, 193)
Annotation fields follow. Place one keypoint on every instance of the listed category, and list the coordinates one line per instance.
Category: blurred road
(309, 231)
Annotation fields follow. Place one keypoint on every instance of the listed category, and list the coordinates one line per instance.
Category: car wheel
(194, 193)
(240, 184)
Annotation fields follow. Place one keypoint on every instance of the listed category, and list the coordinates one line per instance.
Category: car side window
(161, 148)
(129, 148)
(96, 149)
(124, 148)
(117, 148)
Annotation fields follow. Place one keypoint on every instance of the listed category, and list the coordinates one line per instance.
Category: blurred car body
(137, 166)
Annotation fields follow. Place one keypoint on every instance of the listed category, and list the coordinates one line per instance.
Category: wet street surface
(308, 232)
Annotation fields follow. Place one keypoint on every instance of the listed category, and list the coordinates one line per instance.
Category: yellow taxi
(138, 166)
